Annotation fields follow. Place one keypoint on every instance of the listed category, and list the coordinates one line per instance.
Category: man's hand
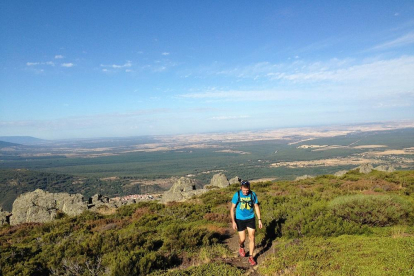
(260, 224)
(234, 225)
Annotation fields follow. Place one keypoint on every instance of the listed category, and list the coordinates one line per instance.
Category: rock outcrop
(365, 168)
(340, 173)
(182, 189)
(185, 188)
(234, 180)
(219, 180)
(41, 206)
(385, 168)
(304, 177)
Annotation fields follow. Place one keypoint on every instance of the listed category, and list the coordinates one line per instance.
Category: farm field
(121, 166)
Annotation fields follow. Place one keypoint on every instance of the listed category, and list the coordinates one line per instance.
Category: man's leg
(251, 240)
(242, 238)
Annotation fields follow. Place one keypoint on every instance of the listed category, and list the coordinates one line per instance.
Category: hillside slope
(353, 225)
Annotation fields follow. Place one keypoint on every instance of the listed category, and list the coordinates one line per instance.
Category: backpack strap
(252, 198)
(238, 198)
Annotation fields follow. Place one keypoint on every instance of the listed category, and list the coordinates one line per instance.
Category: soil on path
(242, 262)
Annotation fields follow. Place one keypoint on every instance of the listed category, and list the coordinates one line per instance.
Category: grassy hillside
(354, 225)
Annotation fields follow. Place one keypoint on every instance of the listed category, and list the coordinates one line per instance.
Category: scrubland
(353, 225)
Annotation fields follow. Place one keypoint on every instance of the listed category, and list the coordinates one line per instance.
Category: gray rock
(98, 201)
(182, 189)
(184, 184)
(365, 168)
(304, 177)
(340, 173)
(219, 180)
(385, 168)
(41, 206)
(234, 180)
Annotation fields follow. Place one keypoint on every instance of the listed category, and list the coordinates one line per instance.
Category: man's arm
(233, 207)
(259, 216)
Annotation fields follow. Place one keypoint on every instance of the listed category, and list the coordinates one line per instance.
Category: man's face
(245, 190)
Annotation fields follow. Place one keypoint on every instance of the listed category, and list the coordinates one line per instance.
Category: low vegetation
(352, 225)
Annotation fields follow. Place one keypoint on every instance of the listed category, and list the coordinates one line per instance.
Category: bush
(179, 237)
(373, 210)
(316, 220)
(344, 255)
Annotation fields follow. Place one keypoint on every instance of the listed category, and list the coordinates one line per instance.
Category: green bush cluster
(373, 210)
(321, 227)
(303, 216)
(126, 243)
(344, 255)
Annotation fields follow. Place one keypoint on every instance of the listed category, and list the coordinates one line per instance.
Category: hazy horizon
(75, 70)
(386, 125)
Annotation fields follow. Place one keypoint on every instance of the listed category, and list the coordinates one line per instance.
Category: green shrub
(178, 237)
(373, 210)
(127, 210)
(344, 255)
(215, 197)
(316, 220)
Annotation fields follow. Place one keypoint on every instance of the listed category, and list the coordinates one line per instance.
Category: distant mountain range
(7, 144)
(23, 140)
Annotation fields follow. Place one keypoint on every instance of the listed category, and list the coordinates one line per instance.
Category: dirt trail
(242, 262)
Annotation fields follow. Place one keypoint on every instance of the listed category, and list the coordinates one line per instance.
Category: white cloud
(51, 63)
(238, 95)
(117, 66)
(223, 118)
(165, 54)
(334, 80)
(398, 71)
(399, 42)
(67, 65)
(59, 57)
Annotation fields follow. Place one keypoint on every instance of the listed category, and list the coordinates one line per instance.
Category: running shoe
(242, 252)
(252, 261)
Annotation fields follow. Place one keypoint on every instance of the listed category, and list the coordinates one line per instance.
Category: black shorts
(243, 224)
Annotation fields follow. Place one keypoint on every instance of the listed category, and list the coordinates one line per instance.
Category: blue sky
(80, 69)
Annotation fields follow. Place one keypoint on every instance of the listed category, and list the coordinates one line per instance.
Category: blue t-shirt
(243, 209)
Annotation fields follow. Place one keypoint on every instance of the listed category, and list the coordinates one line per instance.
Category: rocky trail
(242, 262)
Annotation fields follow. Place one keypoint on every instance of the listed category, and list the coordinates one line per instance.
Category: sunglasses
(245, 183)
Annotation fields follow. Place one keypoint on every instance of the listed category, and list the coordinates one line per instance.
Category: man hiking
(245, 202)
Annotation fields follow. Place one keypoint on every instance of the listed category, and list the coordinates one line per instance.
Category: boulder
(184, 184)
(234, 180)
(365, 168)
(304, 177)
(41, 206)
(219, 180)
(98, 202)
(340, 173)
(385, 168)
(182, 189)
